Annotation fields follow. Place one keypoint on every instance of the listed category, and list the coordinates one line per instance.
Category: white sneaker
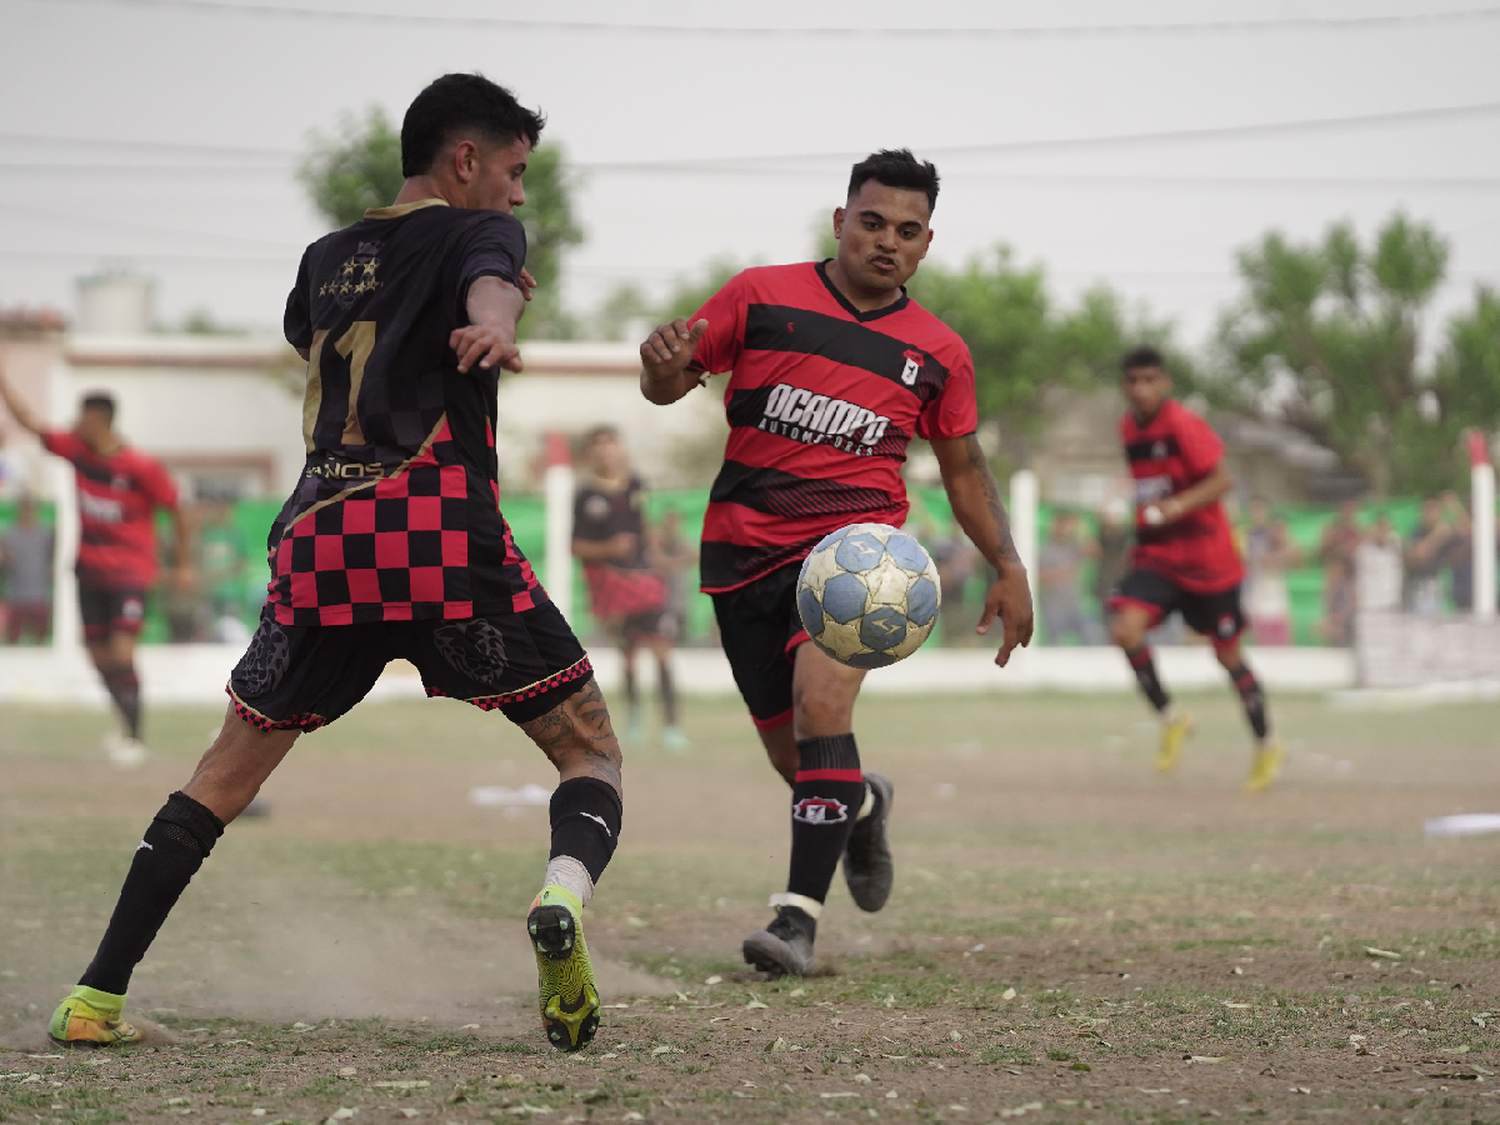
(123, 751)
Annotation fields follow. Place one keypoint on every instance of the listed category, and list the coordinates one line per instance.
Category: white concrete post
(558, 490)
(67, 629)
(1023, 521)
(1482, 507)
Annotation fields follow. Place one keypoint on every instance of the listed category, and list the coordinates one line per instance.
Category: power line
(88, 218)
(768, 164)
(191, 148)
(1401, 20)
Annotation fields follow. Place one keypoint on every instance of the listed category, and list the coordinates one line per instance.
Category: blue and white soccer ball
(868, 595)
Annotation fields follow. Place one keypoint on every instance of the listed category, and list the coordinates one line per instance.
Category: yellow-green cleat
(1266, 765)
(569, 1000)
(1173, 735)
(89, 1018)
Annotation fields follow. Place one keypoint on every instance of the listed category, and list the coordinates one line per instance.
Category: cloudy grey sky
(1107, 140)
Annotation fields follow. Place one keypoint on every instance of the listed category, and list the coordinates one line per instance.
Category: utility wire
(767, 164)
(1400, 20)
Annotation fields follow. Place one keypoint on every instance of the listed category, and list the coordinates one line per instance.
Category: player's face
(608, 456)
(497, 182)
(1146, 387)
(93, 427)
(883, 236)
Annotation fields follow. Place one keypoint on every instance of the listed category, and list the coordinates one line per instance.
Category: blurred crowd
(1363, 564)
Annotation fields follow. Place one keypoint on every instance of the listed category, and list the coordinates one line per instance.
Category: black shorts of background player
(628, 594)
(406, 319)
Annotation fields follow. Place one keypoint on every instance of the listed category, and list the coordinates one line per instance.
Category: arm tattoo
(991, 491)
(580, 727)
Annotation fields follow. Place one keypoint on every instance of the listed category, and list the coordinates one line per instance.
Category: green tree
(359, 166)
(1328, 339)
(1024, 346)
(355, 168)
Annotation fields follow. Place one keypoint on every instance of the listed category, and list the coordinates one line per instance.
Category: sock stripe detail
(855, 776)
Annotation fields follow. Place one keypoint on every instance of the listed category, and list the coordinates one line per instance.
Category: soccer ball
(868, 595)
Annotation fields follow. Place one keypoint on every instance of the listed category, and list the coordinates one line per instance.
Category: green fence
(251, 519)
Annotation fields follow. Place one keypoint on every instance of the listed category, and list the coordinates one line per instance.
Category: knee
(1126, 634)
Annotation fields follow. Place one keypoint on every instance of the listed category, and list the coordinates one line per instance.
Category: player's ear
(838, 222)
(465, 159)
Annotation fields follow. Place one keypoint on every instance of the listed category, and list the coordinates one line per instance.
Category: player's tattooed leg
(578, 737)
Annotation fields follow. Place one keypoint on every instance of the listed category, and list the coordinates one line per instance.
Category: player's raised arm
(976, 505)
(1218, 483)
(494, 307)
(18, 409)
(665, 358)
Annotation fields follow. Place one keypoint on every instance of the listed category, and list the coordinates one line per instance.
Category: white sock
(869, 806)
(567, 873)
(1168, 714)
(809, 906)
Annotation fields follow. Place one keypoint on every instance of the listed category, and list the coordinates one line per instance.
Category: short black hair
(101, 401)
(604, 429)
(897, 168)
(462, 103)
(1143, 356)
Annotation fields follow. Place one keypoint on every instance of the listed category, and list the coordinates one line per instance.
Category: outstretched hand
(668, 351)
(1009, 599)
(485, 344)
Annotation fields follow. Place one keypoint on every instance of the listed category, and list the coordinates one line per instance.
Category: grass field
(1071, 938)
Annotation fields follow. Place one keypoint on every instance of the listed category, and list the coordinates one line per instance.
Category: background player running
(628, 596)
(119, 491)
(393, 545)
(835, 369)
(1184, 559)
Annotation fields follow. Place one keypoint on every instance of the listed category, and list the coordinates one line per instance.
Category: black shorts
(105, 611)
(1216, 615)
(760, 631)
(300, 677)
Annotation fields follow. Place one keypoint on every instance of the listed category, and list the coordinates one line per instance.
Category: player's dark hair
(604, 429)
(1143, 356)
(102, 402)
(462, 103)
(897, 168)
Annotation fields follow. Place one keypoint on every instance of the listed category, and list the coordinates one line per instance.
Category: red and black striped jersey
(822, 403)
(118, 494)
(397, 514)
(1168, 455)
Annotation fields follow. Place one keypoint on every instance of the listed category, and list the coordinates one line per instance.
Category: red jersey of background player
(1168, 455)
(117, 495)
(822, 404)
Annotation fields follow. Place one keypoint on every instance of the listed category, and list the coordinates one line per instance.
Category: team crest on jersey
(356, 276)
(913, 367)
(1158, 450)
(820, 810)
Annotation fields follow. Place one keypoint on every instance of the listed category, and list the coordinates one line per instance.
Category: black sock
(1251, 698)
(668, 694)
(124, 688)
(826, 796)
(586, 815)
(174, 847)
(1145, 675)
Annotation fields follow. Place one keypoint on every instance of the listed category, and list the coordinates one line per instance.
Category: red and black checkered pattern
(395, 550)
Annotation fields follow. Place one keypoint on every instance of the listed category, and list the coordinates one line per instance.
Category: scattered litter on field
(1463, 824)
(403, 1084)
(501, 796)
(715, 979)
(1008, 994)
(778, 1045)
(1385, 953)
(1207, 1058)
(665, 1049)
(757, 1004)
(840, 1094)
(1023, 1110)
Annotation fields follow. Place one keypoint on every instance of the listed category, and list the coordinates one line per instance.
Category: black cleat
(785, 947)
(868, 868)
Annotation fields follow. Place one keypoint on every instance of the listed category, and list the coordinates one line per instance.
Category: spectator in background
(1378, 569)
(1342, 535)
(673, 555)
(1425, 553)
(223, 561)
(181, 604)
(26, 559)
(1060, 574)
(628, 596)
(1458, 552)
(1269, 553)
(1336, 627)
(1112, 542)
(955, 558)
